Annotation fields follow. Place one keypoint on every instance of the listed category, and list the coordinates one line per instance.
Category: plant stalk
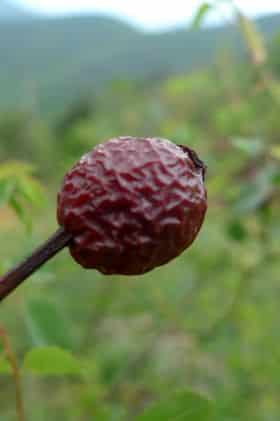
(10, 356)
(11, 280)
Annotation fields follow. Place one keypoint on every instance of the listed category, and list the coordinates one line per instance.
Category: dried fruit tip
(196, 160)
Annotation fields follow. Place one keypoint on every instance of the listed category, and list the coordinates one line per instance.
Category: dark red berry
(132, 204)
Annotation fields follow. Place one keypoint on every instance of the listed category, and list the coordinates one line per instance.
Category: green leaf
(237, 231)
(13, 169)
(31, 191)
(182, 406)
(252, 147)
(6, 191)
(252, 197)
(276, 179)
(202, 11)
(20, 190)
(253, 39)
(275, 152)
(4, 366)
(51, 361)
(21, 212)
(46, 325)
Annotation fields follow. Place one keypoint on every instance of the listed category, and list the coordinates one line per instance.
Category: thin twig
(10, 281)
(15, 372)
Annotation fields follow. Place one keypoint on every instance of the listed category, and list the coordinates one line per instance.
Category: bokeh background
(207, 75)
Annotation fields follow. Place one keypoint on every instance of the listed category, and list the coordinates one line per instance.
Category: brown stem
(41, 255)
(15, 372)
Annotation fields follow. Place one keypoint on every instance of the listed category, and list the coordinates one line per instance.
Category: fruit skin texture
(132, 204)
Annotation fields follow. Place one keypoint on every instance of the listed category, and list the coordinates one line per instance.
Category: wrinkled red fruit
(132, 204)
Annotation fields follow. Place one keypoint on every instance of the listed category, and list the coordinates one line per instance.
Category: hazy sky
(148, 13)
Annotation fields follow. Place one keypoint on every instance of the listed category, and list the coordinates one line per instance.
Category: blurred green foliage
(107, 348)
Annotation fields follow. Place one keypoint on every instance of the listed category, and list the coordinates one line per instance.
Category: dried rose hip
(128, 206)
(132, 204)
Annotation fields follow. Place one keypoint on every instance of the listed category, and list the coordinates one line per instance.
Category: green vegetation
(199, 336)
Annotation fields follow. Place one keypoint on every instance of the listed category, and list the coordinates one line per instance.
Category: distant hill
(46, 62)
